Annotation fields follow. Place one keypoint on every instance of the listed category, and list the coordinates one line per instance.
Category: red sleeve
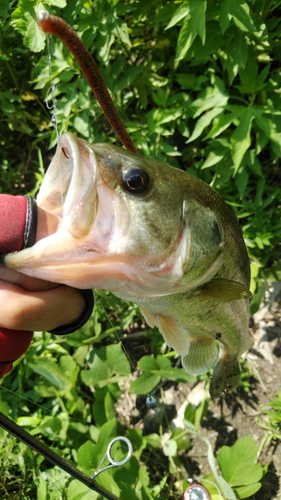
(18, 223)
(13, 344)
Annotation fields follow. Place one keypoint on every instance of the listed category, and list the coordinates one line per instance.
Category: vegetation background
(197, 84)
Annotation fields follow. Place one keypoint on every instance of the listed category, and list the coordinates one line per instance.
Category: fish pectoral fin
(222, 290)
(203, 354)
(174, 334)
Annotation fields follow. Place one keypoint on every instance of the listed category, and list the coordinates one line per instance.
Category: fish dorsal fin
(203, 353)
(175, 336)
(222, 290)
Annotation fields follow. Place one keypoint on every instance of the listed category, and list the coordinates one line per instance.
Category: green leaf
(50, 426)
(99, 371)
(249, 75)
(153, 440)
(269, 127)
(238, 462)
(203, 122)
(121, 30)
(109, 406)
(80, 123)
(79, 491)
(57, 3)
(248, 490)
(107, 432)
(4, 6)
(236, 54)
(195, 25)
(240, 10)
(182, 12)
(127, 77)
(148, 363)
(87, 456)
(24, 20)
(107, 481)
(41, 488)
(163, 362)
(241, 179)
(170, 448)
(175, 374)
(145, 383)
(69, 368)
(31, 421)
(211, 97)
(225, 120)
(241, 138)
(224, 17)
(51, 372)
(117, 359)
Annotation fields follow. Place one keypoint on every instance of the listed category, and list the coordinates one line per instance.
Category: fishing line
(151, 401)
(47, 410)
(97, 299)
(51, 103)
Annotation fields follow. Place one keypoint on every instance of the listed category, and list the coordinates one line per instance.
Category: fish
(154, 235)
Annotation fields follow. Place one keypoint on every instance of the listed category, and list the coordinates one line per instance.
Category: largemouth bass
(153, 235)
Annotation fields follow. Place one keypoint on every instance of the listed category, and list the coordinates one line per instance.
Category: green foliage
(239, 475)
(270, 421)
(154, 370)
(239, 467)
(197, 84)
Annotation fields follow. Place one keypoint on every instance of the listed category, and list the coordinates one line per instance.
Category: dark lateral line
(53, 457)
(57, 26)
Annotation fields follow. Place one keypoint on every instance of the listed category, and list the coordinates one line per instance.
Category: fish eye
(135, 181)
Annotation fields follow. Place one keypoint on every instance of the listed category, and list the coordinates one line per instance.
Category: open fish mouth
(66, 190)
(121, 226)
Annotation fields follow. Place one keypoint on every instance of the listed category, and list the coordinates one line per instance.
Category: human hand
(46, 307)
(32, 304)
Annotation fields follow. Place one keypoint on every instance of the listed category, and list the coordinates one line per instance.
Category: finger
(38, 311)
(26, 282)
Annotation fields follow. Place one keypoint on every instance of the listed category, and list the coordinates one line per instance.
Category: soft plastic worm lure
(58, 27)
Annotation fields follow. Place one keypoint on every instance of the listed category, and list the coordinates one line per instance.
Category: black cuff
(72, 327)
(29, 237)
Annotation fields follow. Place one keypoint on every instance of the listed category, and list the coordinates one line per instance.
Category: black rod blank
(52, 456)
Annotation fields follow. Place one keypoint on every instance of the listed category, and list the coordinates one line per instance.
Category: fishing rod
(56, 459)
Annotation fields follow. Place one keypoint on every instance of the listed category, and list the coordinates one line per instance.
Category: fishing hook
(56, 459)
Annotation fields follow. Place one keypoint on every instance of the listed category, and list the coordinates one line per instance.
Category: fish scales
(153, 235)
